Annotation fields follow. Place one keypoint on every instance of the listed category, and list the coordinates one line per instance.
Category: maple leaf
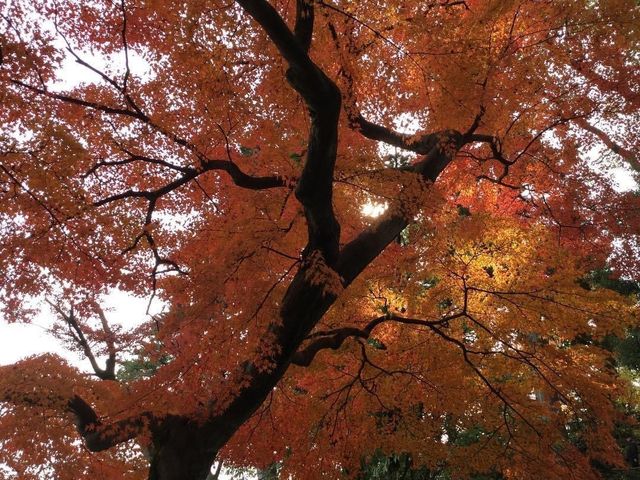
(217, 157)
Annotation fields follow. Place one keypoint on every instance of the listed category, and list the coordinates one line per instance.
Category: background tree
(228, 180)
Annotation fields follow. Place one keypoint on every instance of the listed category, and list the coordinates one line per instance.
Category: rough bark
(180, 451)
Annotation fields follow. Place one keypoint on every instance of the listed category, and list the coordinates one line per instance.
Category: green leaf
(377, 344)
(248, 151)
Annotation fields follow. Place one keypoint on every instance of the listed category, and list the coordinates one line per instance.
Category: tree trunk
(184, 450)
(180, 451)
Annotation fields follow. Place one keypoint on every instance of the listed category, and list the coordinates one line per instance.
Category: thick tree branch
(414, 143)
(363, 249)
(98, 436)
(110, 341)
(49, 370)
(240, 178)
(289, 46)
(333, 339)
(304, 75)
(420, 144)
(323, 99)
(188, 174)
(303, 29)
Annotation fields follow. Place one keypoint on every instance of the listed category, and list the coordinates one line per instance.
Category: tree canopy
(373, 226)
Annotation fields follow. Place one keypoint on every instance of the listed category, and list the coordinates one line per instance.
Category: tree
(227, 180)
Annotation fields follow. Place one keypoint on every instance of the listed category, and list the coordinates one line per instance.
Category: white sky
(21, 340)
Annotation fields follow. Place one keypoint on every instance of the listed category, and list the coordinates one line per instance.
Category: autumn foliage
(218, 158)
